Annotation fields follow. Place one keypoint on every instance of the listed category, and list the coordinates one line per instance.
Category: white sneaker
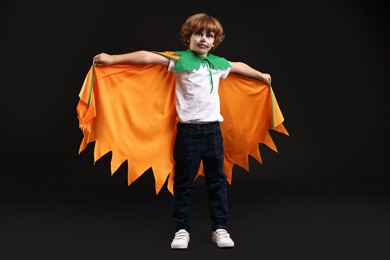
(222, 238)
(181, 239)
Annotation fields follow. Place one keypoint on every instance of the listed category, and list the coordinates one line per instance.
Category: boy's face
(202, 42)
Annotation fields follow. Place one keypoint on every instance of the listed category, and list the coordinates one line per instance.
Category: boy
(199, 138)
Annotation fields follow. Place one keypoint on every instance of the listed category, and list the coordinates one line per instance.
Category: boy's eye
(208, 35)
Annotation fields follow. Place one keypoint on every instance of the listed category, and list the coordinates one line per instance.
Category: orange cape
(129, 110)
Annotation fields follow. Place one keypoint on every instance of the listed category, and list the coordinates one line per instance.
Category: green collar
(191, 62)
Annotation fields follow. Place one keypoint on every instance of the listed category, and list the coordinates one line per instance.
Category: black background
(324, 195)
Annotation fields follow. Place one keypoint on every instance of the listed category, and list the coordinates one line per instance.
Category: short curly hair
(201, 22)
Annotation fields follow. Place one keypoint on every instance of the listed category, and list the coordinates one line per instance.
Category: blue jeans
(195, 143)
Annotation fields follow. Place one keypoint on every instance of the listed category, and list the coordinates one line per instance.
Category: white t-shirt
(194, 102)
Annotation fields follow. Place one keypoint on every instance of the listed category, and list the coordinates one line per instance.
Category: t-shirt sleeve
(225, 72)
(171, 65)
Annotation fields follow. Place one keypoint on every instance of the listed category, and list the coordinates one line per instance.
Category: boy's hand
(103, 59)
(266, 78)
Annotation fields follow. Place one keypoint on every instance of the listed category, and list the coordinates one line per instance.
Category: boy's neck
(199, 55)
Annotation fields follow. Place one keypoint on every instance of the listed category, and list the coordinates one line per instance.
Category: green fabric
(91, 85)
(191, 62)
(273, 106)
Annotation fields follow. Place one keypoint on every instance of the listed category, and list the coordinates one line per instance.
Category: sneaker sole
(222, 245)
(179, 247)
(225, 245)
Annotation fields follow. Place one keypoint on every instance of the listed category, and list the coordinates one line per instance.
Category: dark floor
(326, 196)
(97, 216)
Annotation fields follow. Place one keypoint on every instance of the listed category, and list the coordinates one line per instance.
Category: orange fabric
(246, 105)
(132, 114)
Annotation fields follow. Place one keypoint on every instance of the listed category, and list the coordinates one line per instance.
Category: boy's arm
(247, 71)
(137, 57)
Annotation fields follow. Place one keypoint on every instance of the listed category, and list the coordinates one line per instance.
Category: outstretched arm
(247, 71)
(137, 57)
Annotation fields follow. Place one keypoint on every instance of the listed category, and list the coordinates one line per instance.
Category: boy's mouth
(202, 46)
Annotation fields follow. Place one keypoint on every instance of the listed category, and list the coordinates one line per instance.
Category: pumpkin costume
(129, 110)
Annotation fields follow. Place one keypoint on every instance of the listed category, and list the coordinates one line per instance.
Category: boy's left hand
(267, 78)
